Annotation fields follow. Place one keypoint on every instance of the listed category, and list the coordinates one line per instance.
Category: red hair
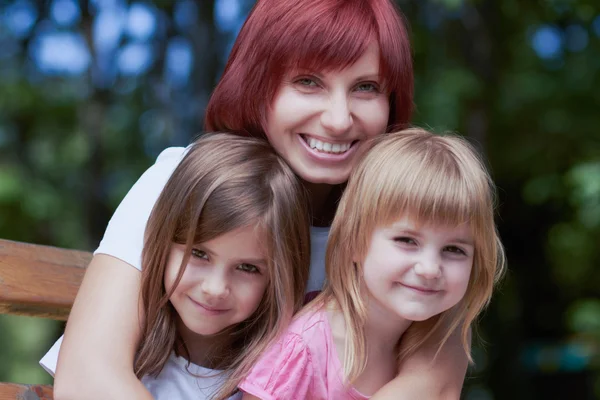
(318, 35)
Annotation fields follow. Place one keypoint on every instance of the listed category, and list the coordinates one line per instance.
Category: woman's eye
(455, 250)
(248, 268)
(199, 254)
(306, 82)
(367, 87)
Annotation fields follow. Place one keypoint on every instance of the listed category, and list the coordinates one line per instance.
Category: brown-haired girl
(317, 79)
(413, 239)
(224, 267)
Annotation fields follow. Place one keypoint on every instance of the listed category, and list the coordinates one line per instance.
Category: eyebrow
(467, 242)
(461, 240)
(369, 76)
(366, 77)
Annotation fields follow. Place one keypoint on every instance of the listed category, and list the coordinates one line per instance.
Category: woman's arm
(422, 378)
(103, 331)
(102, 335)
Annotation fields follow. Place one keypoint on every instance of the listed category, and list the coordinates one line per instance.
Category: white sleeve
(48, 362)
(124, 236)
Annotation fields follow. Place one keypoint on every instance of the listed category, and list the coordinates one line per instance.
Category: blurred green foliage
(521, 79)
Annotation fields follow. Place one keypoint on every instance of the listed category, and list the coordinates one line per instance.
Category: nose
(428, 266)
(337, 117)
(215, 285)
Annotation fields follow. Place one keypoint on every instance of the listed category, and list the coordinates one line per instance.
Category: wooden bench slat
(12, 391)
(39, 281)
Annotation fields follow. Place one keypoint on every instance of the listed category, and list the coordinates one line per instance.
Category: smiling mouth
(209, 308)
(327, 147)
(219, 310)
(421, 290)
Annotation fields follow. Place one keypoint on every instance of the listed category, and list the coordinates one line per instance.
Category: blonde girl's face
(320, 121)
(223, 283)
(414, 272)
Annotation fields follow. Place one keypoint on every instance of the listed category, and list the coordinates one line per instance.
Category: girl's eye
(248, 268)
(367, 87)
(199, 254)
(455, 250)
(405, 240)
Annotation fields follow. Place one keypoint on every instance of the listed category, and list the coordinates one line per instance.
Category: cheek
(185, 283)
(279, 112)
(460, 280)
(251, 294)
(376, 273)
(172, 267)
(376, 116)
(289, 108)
(170, 275)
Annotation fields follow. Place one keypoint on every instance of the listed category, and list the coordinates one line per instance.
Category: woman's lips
(325, 156)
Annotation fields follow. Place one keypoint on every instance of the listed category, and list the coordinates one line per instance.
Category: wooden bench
(38, 281)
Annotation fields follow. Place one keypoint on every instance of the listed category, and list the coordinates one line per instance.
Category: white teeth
(328, 147)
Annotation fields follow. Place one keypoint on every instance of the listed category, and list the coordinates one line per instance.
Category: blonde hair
(433, 179)
(226, 182)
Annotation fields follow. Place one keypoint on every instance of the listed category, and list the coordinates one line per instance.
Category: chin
(206, 331)
(415, 316)
(419, 318)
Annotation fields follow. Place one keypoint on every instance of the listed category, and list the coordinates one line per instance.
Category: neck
(206, 351)
(382, 336)
(383, 330)
(319, 195)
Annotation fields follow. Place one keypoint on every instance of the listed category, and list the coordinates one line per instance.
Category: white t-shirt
(124, 236)
(177, 380)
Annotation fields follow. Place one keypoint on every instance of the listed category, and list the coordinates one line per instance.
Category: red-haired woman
(317, 78)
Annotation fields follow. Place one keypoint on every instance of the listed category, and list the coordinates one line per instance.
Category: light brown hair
(225, 182)
(432, 179)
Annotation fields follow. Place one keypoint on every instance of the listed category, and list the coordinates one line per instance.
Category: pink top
(302, 364)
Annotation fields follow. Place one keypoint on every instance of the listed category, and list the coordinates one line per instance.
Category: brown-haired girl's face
(320, 120)
(223, 283)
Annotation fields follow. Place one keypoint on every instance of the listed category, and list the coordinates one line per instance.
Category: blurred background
(92, 91)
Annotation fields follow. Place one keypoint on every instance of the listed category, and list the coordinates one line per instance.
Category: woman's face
(320, 120)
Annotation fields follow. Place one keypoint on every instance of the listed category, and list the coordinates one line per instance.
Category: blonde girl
(413, 252)
(225, 263)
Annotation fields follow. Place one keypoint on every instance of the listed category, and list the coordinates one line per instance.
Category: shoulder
(310, 323)
(169, 159)
(154, 178)
(292, 366)
(172, 153)
(305, 340)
